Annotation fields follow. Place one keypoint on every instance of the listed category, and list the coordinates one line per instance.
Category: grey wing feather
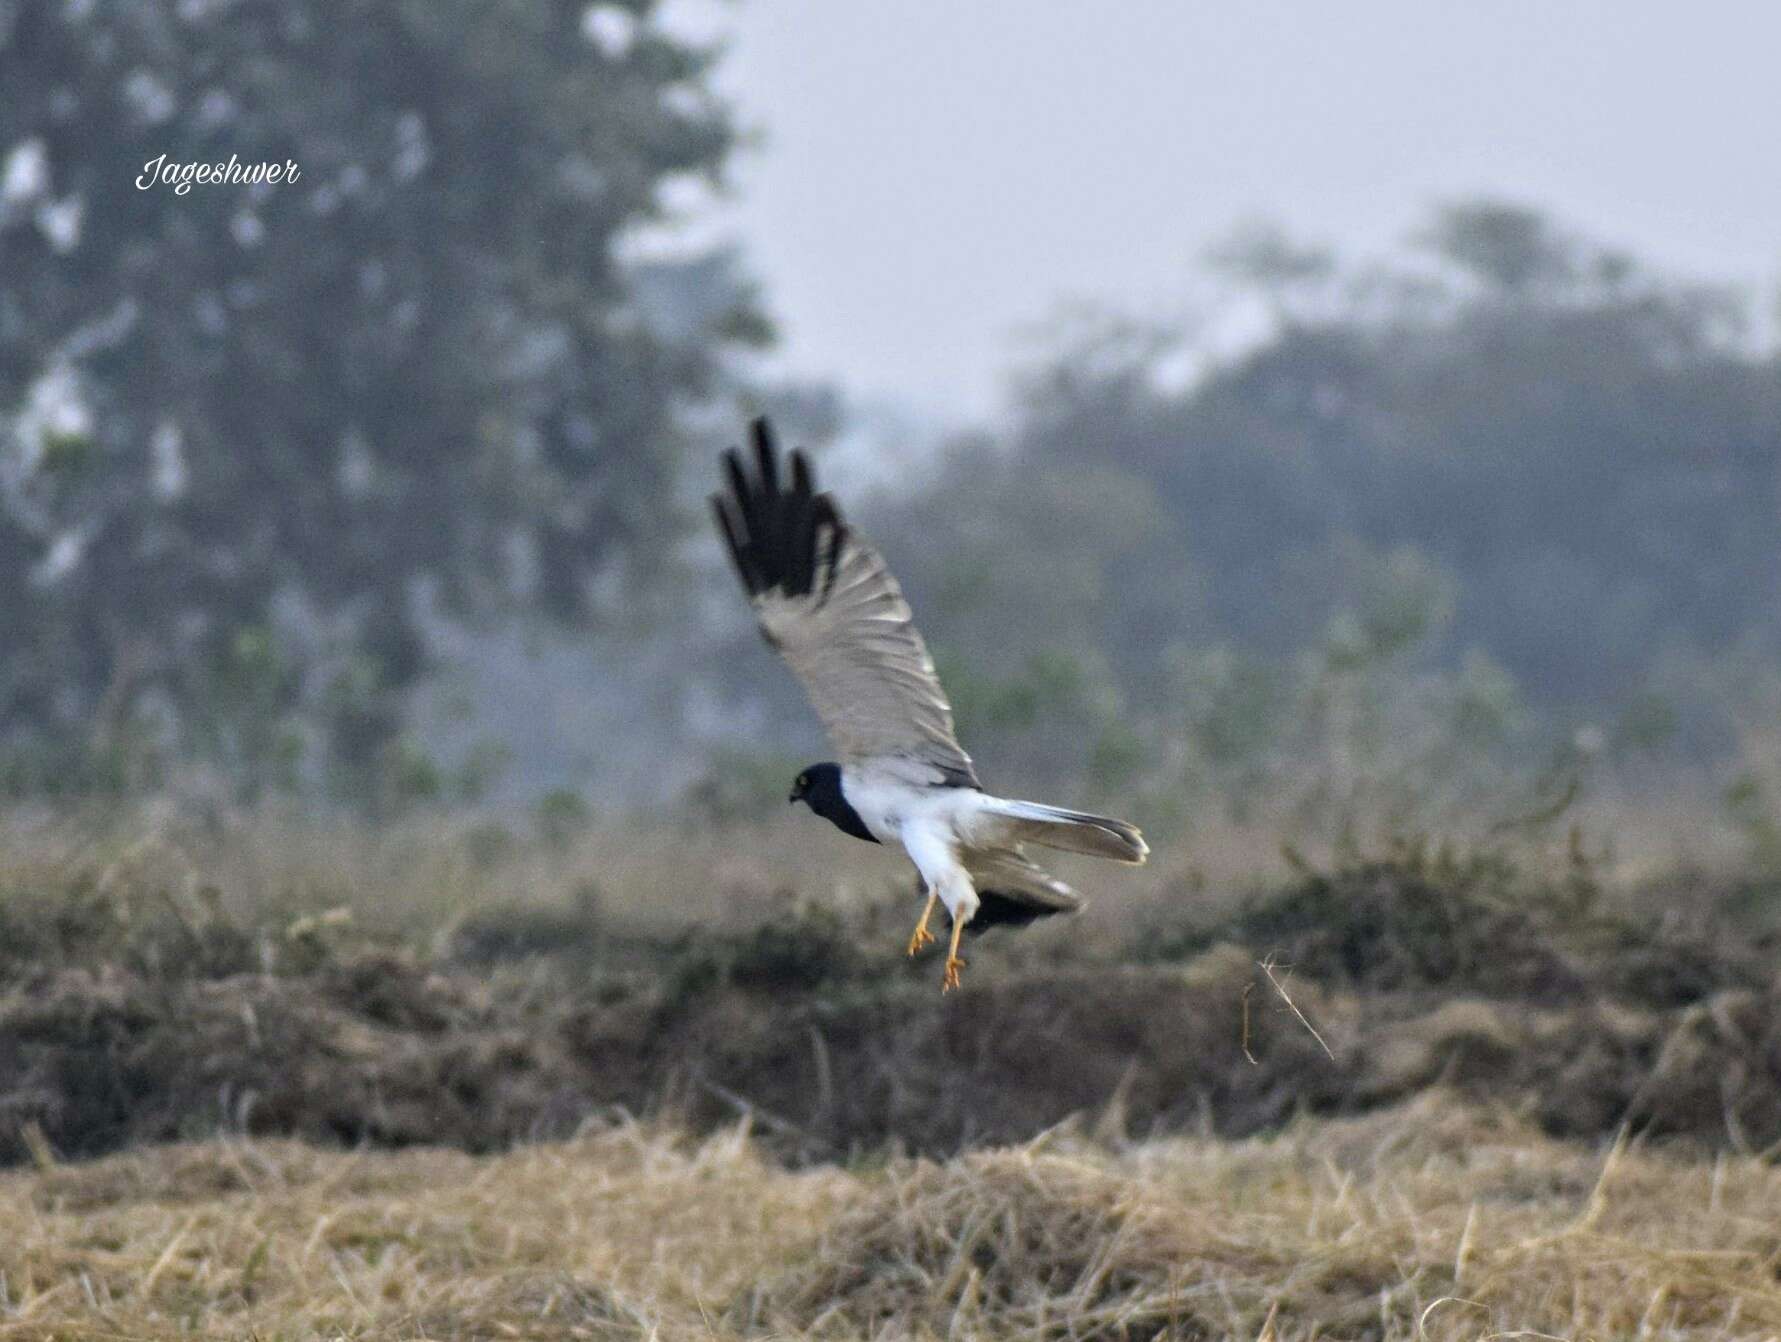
(829, 606)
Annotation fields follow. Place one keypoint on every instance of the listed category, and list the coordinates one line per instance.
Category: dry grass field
(1433, 1220)
(285, 1087)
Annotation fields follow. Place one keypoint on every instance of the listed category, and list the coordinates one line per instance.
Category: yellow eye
(803, 780)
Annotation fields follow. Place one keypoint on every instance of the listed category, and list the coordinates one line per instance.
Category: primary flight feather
(827, 603)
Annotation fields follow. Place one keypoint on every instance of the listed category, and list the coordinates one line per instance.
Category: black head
(819, 788)
(817, 785)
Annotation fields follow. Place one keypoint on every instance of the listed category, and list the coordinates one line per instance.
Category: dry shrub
(1480, 926)
(1382, 927)
(1021, 1242)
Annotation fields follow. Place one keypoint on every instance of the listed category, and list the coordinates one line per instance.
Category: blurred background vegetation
(379, 494)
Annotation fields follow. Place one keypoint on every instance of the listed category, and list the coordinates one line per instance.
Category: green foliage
(476, 774)
(561, 816)
(245, 722)
(490, 844)
(1117, 758)
(113, 920)
(411, 773)
(739, 786)
(1757, 815)
(1485, 708)
(1648, 722)
(1508, 248)
(254, 433)
(1057, 714)
(1233, 704)
(1049, 683)
(1406, 601)
(1262, 256)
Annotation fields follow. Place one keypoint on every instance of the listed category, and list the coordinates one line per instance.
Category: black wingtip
(778, 537)
(730, 529)
(766, 456)
(740, 489)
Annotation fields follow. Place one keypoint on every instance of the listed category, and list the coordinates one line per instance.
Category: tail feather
(1072, 831)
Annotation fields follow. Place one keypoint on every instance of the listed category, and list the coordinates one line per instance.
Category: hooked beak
(791, 799)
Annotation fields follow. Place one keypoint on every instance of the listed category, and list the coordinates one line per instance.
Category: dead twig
(1267, 967)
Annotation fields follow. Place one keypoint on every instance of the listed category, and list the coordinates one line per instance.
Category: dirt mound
(836, 1047)
(375, 1049)
(1152, 1049)
(385, 1052)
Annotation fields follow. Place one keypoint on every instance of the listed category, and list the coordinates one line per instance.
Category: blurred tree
(1591, 454)
(1426, 524)
(1260, 256)
(1508, 248)
(254, 436)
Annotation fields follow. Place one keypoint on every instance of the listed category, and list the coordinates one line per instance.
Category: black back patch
(995, 909)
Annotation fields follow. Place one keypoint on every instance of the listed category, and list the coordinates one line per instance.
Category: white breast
(932, 825)
(883, 803)
(945, 831)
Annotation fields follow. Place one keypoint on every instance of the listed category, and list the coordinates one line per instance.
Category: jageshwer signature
(182, 176)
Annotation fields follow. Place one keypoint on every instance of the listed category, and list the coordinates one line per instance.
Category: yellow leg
(922, 936)
(954, 963)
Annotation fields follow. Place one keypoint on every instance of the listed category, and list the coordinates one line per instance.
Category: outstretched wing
(829, 606)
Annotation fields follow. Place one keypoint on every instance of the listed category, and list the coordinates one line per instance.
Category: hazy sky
(934, 174)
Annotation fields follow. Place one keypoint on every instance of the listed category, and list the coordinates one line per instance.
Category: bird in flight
(829, 606)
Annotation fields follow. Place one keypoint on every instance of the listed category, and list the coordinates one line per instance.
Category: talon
(954, 961)
(950, 979)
